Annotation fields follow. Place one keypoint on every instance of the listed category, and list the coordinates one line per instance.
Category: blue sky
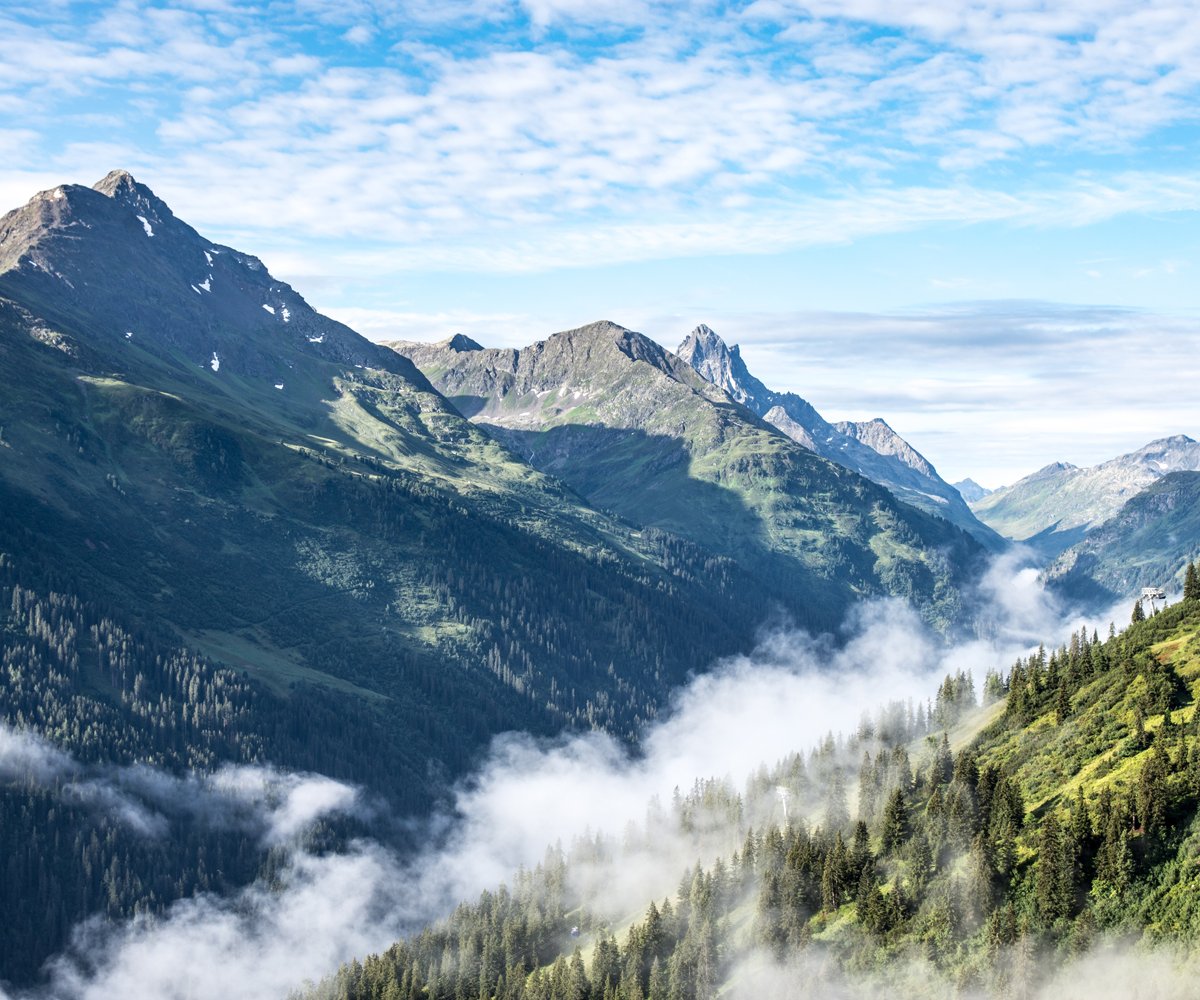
(878, 200)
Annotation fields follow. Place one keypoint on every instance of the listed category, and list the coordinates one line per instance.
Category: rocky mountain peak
(600, 329)
(1169, 454)
(121, 185)
(461, 343)
(723, 366)
(878, 435)
(146, 280)
(149, 209)
(703, 344)
(870, 448)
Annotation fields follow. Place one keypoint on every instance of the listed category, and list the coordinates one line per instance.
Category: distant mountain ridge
(638, 430)
(1055, 507)
(870, 448)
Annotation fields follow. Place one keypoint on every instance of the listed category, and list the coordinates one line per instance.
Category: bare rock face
(870, 448)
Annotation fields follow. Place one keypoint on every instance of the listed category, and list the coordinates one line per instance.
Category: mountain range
(234, 531)
(636, 430)
(184, 440)
(1053, 508)
(1148, 543)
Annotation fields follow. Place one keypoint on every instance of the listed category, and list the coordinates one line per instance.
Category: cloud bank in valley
(749, 710)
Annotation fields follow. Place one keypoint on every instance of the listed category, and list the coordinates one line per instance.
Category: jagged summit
(722, 365)
(870, 448)
(122, 184)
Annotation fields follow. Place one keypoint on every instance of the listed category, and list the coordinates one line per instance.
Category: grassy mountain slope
(301, 504)
(991, 846)
(1149, 542)
(636, 430)
(237, 533)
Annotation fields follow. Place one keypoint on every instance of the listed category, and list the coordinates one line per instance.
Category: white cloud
(694, 106)
(272, 804)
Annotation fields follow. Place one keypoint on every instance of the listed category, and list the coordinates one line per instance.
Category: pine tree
(1054, 875)
(1191, 583)
(895, 822)
(1062, 704)
(1151, 795)
(943, 764)
(1139, 614)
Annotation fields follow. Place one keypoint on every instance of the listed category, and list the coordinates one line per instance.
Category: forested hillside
(990, 837)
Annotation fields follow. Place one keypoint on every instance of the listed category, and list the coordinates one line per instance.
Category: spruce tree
(1191, 583)
(895, 822)
(1054, 875)
(1062, 704)
(1139, 614)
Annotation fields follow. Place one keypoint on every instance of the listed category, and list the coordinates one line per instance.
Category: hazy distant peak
(461, 343)
(1061, 502)
(1167, 449)
(971, 491)
(1052, 469)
